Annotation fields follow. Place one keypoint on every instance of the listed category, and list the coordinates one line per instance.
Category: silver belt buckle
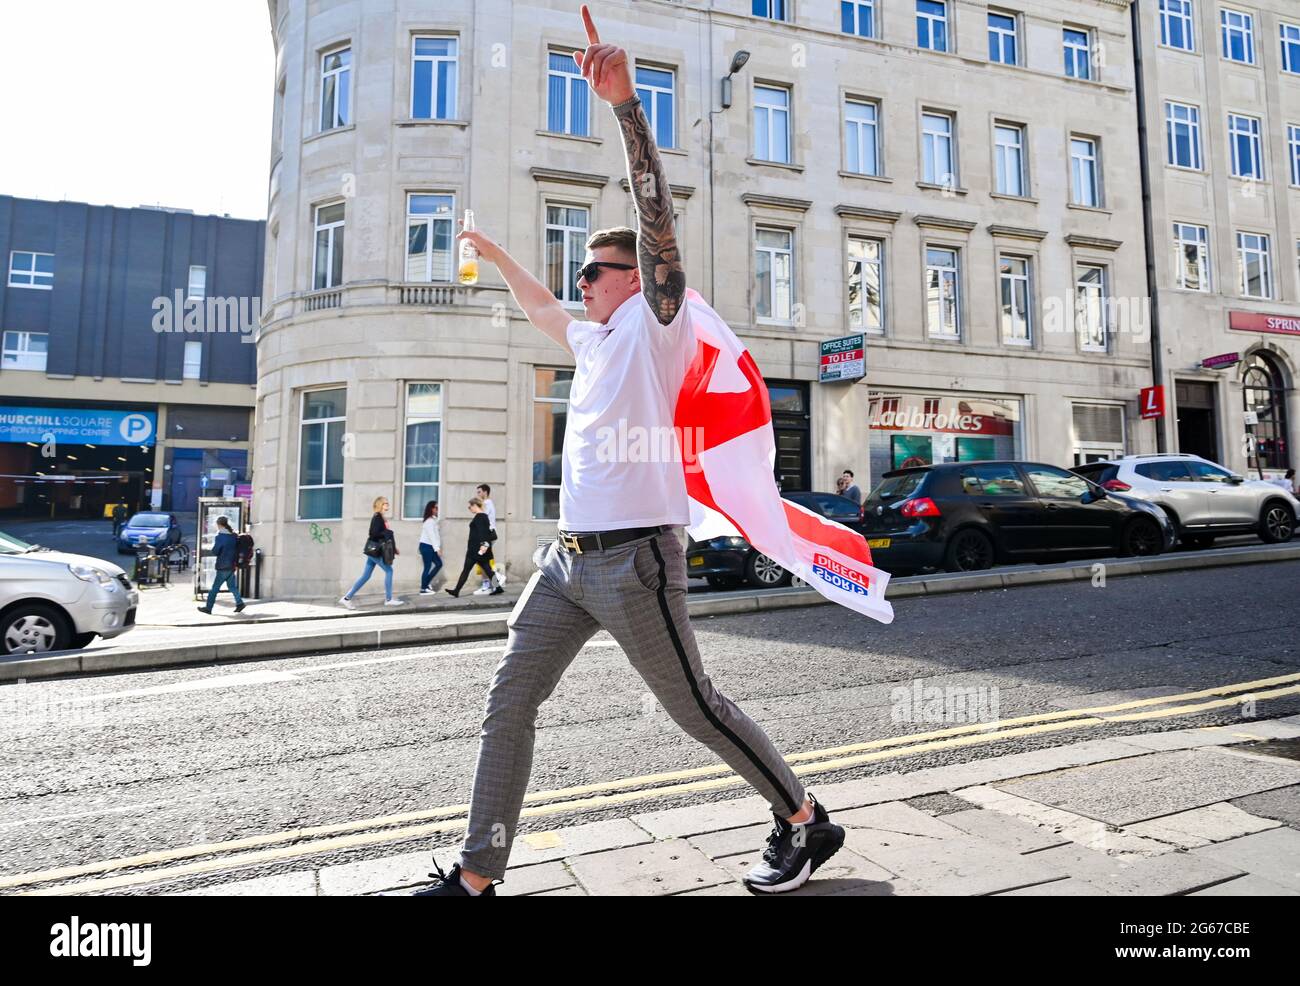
(570, 541)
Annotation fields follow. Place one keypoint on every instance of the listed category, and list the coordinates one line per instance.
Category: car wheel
(722, 581)
(763, 572)
(1276, 523)
(1142, 536)
(31, 628)
(968, 551)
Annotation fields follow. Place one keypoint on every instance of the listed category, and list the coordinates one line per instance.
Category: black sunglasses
(591, 271)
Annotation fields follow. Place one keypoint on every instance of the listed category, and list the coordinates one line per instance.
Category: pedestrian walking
(380, 550)
(478, 551)
(617, 563)
(430, 548)
(225, 547)
(119, 518)
(851, 488)
(484, 492)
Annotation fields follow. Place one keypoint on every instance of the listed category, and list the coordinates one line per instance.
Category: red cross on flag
(730, 482)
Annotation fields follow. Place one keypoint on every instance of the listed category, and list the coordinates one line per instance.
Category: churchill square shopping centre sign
(77, 426)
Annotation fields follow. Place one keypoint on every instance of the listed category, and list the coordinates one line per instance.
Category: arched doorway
(1265, 391)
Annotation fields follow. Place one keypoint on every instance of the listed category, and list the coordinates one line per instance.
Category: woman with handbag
(478, 550)
(380, 550)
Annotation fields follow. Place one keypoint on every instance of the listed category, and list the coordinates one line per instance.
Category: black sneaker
(240, 607)
(794, 852)
(448, 885)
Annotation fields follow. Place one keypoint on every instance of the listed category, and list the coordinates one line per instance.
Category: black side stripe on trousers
(695, 688)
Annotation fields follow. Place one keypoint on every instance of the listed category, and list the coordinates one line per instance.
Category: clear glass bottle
(468, 268)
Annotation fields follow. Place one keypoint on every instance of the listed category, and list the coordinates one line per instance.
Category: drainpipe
(1148, 230)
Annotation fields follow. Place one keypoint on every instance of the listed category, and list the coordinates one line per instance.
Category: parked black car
(965, 516)
(728, 562)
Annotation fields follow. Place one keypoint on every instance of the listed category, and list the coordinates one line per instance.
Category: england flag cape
(724, 423)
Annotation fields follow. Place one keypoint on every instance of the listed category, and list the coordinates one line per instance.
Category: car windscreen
(10, 545)
(149, 520)
(896, 487)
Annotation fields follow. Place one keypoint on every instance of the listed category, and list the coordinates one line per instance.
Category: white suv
(50, 600)
(1203, 500)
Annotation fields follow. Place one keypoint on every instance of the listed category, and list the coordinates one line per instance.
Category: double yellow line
(296, 843)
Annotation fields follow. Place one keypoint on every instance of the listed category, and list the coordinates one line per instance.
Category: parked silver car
(51, 600)
(1204, 500)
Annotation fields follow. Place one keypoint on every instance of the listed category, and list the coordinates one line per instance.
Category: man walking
(478, 549)
(119, 517)
(226, 548)
(484, 492)
(618, 563)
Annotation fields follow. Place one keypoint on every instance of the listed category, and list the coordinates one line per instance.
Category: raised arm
(663, 278)
(534, 297)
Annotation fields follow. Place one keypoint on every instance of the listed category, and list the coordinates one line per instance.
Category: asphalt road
(84, 536)
(103, 768)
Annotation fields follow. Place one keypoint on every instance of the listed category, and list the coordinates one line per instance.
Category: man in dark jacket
(478, 551)
(226, 549)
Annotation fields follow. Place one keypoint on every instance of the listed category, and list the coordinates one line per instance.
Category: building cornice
(862, 212)
(1096, 242)
(776, 201)
(945, 222)
(679, 191)
(1017, 232)
(569, 177)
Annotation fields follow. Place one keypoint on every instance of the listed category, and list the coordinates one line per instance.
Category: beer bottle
(468, 272)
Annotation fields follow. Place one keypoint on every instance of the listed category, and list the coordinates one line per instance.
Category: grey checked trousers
(637, 592)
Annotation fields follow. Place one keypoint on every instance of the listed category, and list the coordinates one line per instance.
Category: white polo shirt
(622, 463)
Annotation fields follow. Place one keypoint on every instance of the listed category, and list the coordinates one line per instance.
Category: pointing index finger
(590, 25)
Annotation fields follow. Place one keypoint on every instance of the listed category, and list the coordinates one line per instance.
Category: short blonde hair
(476, 502)
(378, 500)
(621, 238)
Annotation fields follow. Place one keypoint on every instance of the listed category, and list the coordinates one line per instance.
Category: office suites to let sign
(843, 359)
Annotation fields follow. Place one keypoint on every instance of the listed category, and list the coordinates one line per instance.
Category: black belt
(600, 540)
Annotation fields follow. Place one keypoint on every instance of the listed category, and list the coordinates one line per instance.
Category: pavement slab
(1054, 822)
(1203, 826)
(541, 847)
(1273, 855)
(1058, 888)
(1008, 832)
(653, 870)
(1138, 788)
(1247, 886)
(1139, 876)
(1282, 804)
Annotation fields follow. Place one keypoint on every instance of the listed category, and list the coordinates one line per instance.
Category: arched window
(1265, 394)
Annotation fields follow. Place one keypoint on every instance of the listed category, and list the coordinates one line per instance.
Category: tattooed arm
(663, 278)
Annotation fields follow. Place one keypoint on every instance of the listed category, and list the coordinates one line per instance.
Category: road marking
(708, 778)
(89, 814)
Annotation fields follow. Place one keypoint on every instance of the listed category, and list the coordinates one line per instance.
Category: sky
(137, 102)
